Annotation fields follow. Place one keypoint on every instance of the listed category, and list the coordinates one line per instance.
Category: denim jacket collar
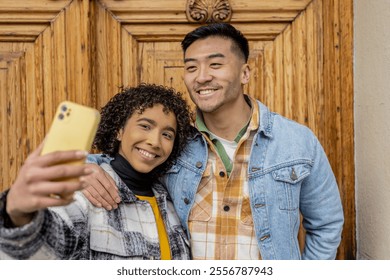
(266, 120)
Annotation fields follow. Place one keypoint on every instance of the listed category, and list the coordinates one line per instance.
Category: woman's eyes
(169, 136)
(144, 126)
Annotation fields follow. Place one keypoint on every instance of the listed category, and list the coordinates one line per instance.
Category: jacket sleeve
(54, 233)
(98, 159)
(321, 209)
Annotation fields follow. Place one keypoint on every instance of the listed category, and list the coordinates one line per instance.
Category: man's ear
(245, 74)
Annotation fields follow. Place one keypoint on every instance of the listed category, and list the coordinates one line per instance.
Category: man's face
(214, 74)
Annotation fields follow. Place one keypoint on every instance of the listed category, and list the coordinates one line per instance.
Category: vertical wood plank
(101, 57)
(288, 72)
(86, 91)
(36, 81)
(330, 80)
(108, 56)
(313, 94)
(34, 110)
(73, 56)
(91, 42)
(130, 66)
(114, 55)
(21, 141)
(3, 121)
(269, 76)
(11, 120)
(47, 62)
(6, 156)
(315, 69)
(338, 91)
(59, 72)
(278, 92)
(255, 87)
(299, 98)
(348, 248)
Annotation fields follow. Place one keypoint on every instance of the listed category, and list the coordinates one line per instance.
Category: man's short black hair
(224, 30)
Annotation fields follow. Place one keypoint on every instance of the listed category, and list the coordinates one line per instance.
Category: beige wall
(372, 127)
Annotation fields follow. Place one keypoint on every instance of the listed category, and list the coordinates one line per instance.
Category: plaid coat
(82, 231)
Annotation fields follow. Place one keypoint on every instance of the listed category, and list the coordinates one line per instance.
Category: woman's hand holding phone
(37, 181)
(55, 170)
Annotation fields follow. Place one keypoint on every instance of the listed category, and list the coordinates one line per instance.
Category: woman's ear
(120, 135)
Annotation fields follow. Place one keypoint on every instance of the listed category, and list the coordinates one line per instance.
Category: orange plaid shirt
(220, 221)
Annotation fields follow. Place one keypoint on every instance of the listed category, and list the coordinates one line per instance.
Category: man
(246, 176)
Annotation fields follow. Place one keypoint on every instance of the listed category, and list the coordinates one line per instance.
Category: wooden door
(84, 51)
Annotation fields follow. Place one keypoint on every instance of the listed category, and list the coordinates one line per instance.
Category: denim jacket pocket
(288, 183)
(203, 205)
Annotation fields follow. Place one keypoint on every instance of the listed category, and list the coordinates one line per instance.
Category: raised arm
(39, 185)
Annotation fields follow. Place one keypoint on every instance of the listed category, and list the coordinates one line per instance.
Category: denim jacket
(288, 175)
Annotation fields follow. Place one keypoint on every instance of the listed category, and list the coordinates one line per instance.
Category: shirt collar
(253, 123)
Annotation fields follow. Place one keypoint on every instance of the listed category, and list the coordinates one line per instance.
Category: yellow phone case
(73, 128)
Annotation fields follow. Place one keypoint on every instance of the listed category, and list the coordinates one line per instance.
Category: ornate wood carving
(205, 11)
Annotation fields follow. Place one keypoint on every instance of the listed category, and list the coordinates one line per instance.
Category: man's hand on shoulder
(101, 189)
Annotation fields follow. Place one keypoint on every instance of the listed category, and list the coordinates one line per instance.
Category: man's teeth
(147, 154)
(206, 91)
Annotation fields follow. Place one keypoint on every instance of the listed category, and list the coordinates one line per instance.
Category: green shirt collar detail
(199, 122)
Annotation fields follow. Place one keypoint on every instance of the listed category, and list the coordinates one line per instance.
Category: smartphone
(73, 128)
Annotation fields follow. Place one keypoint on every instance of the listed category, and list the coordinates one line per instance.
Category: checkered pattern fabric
(220, 221)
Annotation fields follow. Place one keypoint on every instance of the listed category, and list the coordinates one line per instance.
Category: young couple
(238, 186)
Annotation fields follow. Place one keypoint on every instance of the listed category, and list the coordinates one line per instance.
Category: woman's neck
(139, 183)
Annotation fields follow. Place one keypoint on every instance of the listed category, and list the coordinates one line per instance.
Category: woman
(143, 129)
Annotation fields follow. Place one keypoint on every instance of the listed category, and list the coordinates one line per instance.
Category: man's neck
(229, 120)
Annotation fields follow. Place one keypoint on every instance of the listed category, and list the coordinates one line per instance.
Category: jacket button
(226, 208)
(186, 201)
(259, 205)
(293, 175)
(199, 164)
(222, 174)
(265, 237)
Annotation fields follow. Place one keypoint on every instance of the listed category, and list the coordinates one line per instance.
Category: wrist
(14, 218)
(20, 220)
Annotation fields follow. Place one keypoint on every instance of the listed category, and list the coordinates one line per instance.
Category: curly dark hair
(121, 107)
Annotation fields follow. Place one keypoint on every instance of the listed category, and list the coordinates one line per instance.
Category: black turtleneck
(139, 183)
